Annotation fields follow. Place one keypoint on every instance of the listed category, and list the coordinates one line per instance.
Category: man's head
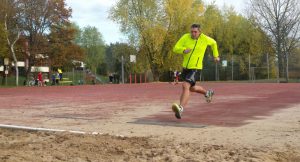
(195, 31)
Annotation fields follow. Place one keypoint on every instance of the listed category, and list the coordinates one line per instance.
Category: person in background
(40, 79)
(170, 75)
(176, 77)
(53, 78)
(110, 77)
(57, 78)
(60, 74)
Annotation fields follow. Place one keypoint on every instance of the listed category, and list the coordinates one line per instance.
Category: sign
(133, 58)
(40, 69)
(6, 61)
(224, 63)
(19, 63)
(6, 72)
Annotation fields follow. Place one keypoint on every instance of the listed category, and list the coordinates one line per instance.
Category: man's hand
(186, 51)
(217, 59)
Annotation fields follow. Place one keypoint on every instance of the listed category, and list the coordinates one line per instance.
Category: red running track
(234, 103)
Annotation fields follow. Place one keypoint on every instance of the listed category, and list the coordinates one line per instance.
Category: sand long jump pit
(245, 122)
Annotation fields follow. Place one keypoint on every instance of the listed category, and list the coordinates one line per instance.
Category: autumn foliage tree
(3, 41)
(155, 25)
(10, 16)
(3, 45)
(3, 32)
(44, 27)
(38, 18)
(241, 43)
(62, 49)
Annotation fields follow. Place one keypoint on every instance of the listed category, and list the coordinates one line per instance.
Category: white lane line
(43, 129)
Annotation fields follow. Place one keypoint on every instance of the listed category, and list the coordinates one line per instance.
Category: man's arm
(179, 47)
(214, 47)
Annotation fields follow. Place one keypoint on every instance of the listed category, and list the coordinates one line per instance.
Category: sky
(95, 13)
(239, 5)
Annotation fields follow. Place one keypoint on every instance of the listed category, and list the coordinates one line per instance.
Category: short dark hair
(196, 26)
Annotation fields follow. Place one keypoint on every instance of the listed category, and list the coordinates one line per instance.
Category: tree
(155, 25)
(3, 34)
(11, 12)
(280, 19)
(45, 29)
(114, 53)
(78, 33)
(11, 41)
(62, 48)
(3, 41)
(37, 18)
(245, 43)
(92, 42)
(295, 59)
(3, 47)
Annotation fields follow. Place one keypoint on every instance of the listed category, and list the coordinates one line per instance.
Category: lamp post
(6, 63)
(122, 59)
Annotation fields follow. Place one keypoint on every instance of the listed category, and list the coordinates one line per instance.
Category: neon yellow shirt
(194, 59)
(59, 71)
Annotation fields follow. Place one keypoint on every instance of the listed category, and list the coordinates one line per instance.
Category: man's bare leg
(208, 94)
(185, 95)
(186, 89)
(198, 89)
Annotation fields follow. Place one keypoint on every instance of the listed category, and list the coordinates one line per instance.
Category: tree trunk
(28, 70)
(155, 72)
(16, 62)
(280, 64)
(12, 50)
(29, 58)
(286, 68)
(16, 66)
(17, 73)
(3, 79)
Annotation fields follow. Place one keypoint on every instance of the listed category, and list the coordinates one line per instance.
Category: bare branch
(280, 19)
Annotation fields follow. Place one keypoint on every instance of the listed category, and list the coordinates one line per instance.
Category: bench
(64, 82)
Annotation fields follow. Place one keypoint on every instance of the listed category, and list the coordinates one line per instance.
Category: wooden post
(140, 78)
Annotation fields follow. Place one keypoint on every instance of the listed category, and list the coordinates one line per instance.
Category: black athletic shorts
(189, 75)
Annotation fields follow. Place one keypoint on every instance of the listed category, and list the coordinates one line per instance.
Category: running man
(192, 46)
